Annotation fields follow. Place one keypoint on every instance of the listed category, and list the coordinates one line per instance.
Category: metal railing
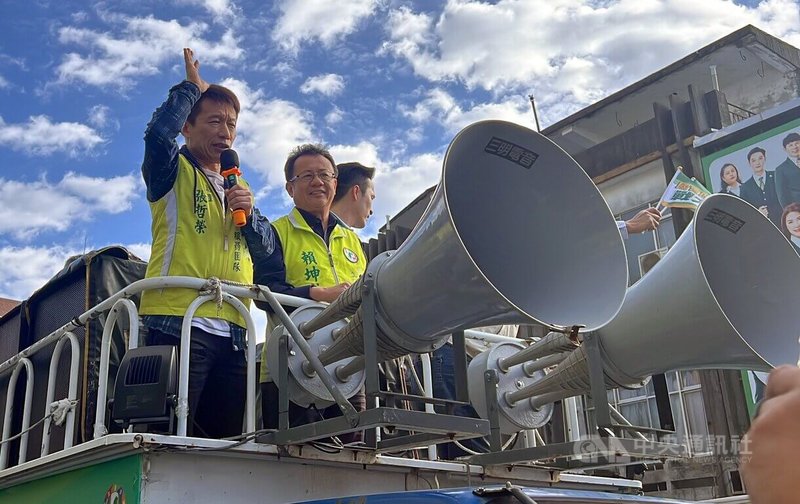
(738, 113)
(117, 304)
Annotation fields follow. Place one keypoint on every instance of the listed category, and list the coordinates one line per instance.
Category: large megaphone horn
(503, 241)
(720, 299)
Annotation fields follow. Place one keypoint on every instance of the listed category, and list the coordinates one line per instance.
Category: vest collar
(300, 219)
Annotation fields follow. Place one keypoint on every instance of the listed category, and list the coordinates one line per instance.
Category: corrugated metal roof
(6, 305)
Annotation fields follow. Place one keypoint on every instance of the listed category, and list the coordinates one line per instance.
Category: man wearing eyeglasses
(315, 256)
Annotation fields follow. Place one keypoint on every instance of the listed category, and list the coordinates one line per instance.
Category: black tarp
(85, 281)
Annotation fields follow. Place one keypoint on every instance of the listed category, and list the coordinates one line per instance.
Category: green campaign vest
(194, 236)
(309, 261)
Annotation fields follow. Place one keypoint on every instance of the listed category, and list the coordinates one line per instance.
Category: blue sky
(384, 82)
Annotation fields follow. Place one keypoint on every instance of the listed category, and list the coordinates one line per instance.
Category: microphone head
(228, 159)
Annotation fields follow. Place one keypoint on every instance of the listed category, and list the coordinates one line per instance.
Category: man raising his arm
(194, 235)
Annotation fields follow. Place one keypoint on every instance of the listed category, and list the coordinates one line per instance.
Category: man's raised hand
(193, 70)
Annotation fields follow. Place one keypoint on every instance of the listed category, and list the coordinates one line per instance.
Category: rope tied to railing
(60, 408)
(58, 412)
(213, 287)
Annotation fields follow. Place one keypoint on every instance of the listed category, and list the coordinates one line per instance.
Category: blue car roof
(468, 496)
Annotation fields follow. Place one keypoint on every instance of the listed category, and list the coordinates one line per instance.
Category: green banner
(114, 482)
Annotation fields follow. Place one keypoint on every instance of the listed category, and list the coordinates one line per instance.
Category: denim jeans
(217, 383)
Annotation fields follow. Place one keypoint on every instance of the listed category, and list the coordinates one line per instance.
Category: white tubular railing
(72, 395)
(489, 337)
(105, 349)
(230, 293)
(427, 383)
(182, 410)
(26, 412)
(114, 305)
(120, 302)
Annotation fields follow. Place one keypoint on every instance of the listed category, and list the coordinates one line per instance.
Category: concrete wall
(634, 188)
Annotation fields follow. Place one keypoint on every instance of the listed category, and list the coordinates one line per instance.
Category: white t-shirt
(215, 326)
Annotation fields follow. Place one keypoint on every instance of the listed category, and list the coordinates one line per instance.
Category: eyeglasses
(307, 177)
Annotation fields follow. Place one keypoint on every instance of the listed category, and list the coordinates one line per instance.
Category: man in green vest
(194, 235)
(315, 256)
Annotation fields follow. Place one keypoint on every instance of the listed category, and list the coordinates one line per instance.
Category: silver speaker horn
(720, 299)
(504, 240)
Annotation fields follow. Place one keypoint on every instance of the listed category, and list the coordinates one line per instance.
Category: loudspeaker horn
(504, 240)
(721, 298)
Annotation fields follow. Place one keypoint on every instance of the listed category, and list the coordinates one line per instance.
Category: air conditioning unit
(648, 260)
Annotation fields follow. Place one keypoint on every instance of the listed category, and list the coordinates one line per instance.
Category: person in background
(354, 194)
(759, 190)
(729, 180)
(769, 450)
(194, 235)
(790, 224)
(787, 174)
(644, 220)
(315, 256)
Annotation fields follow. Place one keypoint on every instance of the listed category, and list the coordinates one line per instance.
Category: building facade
(630, 144)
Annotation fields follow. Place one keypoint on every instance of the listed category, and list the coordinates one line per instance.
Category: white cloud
(335, 116)
(40, 136)
(396, 187)
(267, 130)
(137, 49)
(99, 117)
(42, 205)
(283, 73)
(323, 20)
(325, 84)
(223, 9)
(25, 269)
(532, 45)
(4, 82)
(364, 152)
(440, 106)
(140, 250)
(79, 16)
(260, 321)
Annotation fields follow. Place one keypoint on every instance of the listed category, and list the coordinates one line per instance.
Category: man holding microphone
(194, 234)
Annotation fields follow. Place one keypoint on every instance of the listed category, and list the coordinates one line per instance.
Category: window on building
(642, 243)
(639, 407)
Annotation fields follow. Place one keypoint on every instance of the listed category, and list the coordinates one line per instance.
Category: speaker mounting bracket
(606, 448)
(424, 428)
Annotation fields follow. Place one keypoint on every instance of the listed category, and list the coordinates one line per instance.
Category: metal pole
(26, 420)
(535, 115)
(182, 410)
(427, 378)
(105, 349)
(51, 390)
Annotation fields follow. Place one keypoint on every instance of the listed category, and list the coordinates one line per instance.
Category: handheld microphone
(229, 161)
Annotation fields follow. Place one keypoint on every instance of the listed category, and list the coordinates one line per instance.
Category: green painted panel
(114, 482)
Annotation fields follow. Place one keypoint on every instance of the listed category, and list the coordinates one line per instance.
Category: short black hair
(351, 174)
(754, 150)
(216, 94)
(791, 137)
(306, 150)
